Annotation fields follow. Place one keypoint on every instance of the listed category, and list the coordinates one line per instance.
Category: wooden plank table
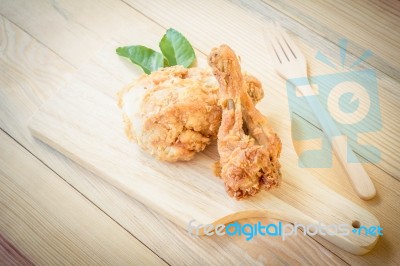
(54, 212)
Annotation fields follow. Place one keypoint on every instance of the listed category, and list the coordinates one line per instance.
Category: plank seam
(37, 40)
(69, 184)
(392, 69)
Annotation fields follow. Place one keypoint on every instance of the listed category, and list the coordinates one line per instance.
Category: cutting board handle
(349, 242)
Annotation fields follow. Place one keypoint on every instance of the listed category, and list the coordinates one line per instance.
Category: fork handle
(359, 178)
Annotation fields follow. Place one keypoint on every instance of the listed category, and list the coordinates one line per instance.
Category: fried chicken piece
(173, 113)
(248, 148)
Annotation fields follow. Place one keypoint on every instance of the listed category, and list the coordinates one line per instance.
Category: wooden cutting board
(86, 125)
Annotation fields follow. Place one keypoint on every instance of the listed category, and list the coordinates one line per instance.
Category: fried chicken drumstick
(248, 148)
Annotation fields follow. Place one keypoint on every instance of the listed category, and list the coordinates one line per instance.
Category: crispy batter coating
(248, 148)
(173, 113)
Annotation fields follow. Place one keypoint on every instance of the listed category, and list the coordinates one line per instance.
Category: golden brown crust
(129, 132)
(178, 114)
(248, 163)
(253, 86)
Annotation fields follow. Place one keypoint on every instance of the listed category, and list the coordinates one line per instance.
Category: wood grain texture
(366, 24)
(387, 193)
(225, 22)
(11, 255)
(79, 29)
(245, 39)
(26, 85)
(75, 30)
(68, 227)
(186, 191)
(25, 93)
(388, 187)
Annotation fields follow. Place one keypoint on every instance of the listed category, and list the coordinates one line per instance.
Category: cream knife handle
(359, 179)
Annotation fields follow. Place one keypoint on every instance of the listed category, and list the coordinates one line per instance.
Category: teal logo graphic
(350, 99)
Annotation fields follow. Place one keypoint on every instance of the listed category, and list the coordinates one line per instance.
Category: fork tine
(294, 49)
(284, 44)
(267, 37)
(276, 48)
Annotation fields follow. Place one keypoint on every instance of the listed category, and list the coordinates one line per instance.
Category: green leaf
(177, 49)
(148, 59)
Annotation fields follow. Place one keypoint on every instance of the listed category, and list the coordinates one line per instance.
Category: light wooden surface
(43, 44)
(185, 191)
